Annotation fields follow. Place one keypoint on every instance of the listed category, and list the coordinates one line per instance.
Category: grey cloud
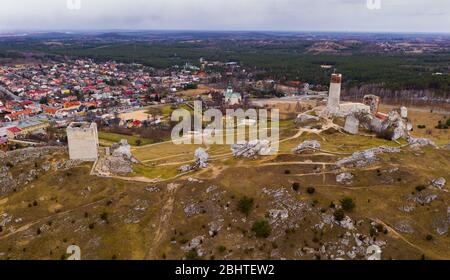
(338, 15)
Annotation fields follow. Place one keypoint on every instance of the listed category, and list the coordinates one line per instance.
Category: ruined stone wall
(83, 142)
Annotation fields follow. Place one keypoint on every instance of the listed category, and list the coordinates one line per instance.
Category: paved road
(26, 142)
(10, 94)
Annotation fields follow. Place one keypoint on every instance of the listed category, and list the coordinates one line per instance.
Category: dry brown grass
(65, 196)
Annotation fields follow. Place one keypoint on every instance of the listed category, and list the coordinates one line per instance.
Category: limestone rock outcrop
(251, 149)
(307, 145)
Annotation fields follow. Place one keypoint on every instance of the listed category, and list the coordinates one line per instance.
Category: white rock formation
(404, 112)
(251, 149)
(200, 161)
(201, 158)
(122, 149)
(365, 157)
(304, 118)
(439, 183)
(307, 145)
(351, 125)
(397, 123)
(344, 178)
(185, 168)
(420, 142)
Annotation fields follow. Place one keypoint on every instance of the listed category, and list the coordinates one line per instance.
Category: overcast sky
(287, 15)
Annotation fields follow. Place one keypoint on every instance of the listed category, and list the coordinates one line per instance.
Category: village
(35, 98)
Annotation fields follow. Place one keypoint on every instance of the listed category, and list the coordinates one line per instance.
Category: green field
(110, 138)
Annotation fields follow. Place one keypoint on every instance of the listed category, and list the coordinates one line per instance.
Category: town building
(24, 128)
(232, 98)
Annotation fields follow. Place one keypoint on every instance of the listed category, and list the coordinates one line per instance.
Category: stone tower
(83, 141)
(334, 95)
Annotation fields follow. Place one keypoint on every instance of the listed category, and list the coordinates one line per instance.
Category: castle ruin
(83, 141)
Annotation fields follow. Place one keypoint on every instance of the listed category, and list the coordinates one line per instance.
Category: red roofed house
(49, 110)
(137, 123)
(12, 132)
(19, 115)
(72, 105)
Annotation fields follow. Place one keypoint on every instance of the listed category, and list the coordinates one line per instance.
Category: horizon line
(16, 31)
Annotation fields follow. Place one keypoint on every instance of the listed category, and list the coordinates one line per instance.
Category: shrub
(421, 126)
(311, 190)
(192, 255)
(104, 216)
(420, 188)
(442, 125)
(287, 171)
(429, 237)
(379, 227)
(339, 215)
(245, 205)
(261, 229)
(221, 249)
(348, 204)
(296, 186)
(184, 241)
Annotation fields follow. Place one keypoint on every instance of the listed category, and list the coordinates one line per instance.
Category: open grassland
(108, 138)
(166, 110)
(190, 93)
(71, 207)
(112, 218)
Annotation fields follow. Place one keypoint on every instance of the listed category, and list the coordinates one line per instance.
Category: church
(231, 97)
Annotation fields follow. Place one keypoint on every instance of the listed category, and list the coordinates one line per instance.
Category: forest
(279, 60)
